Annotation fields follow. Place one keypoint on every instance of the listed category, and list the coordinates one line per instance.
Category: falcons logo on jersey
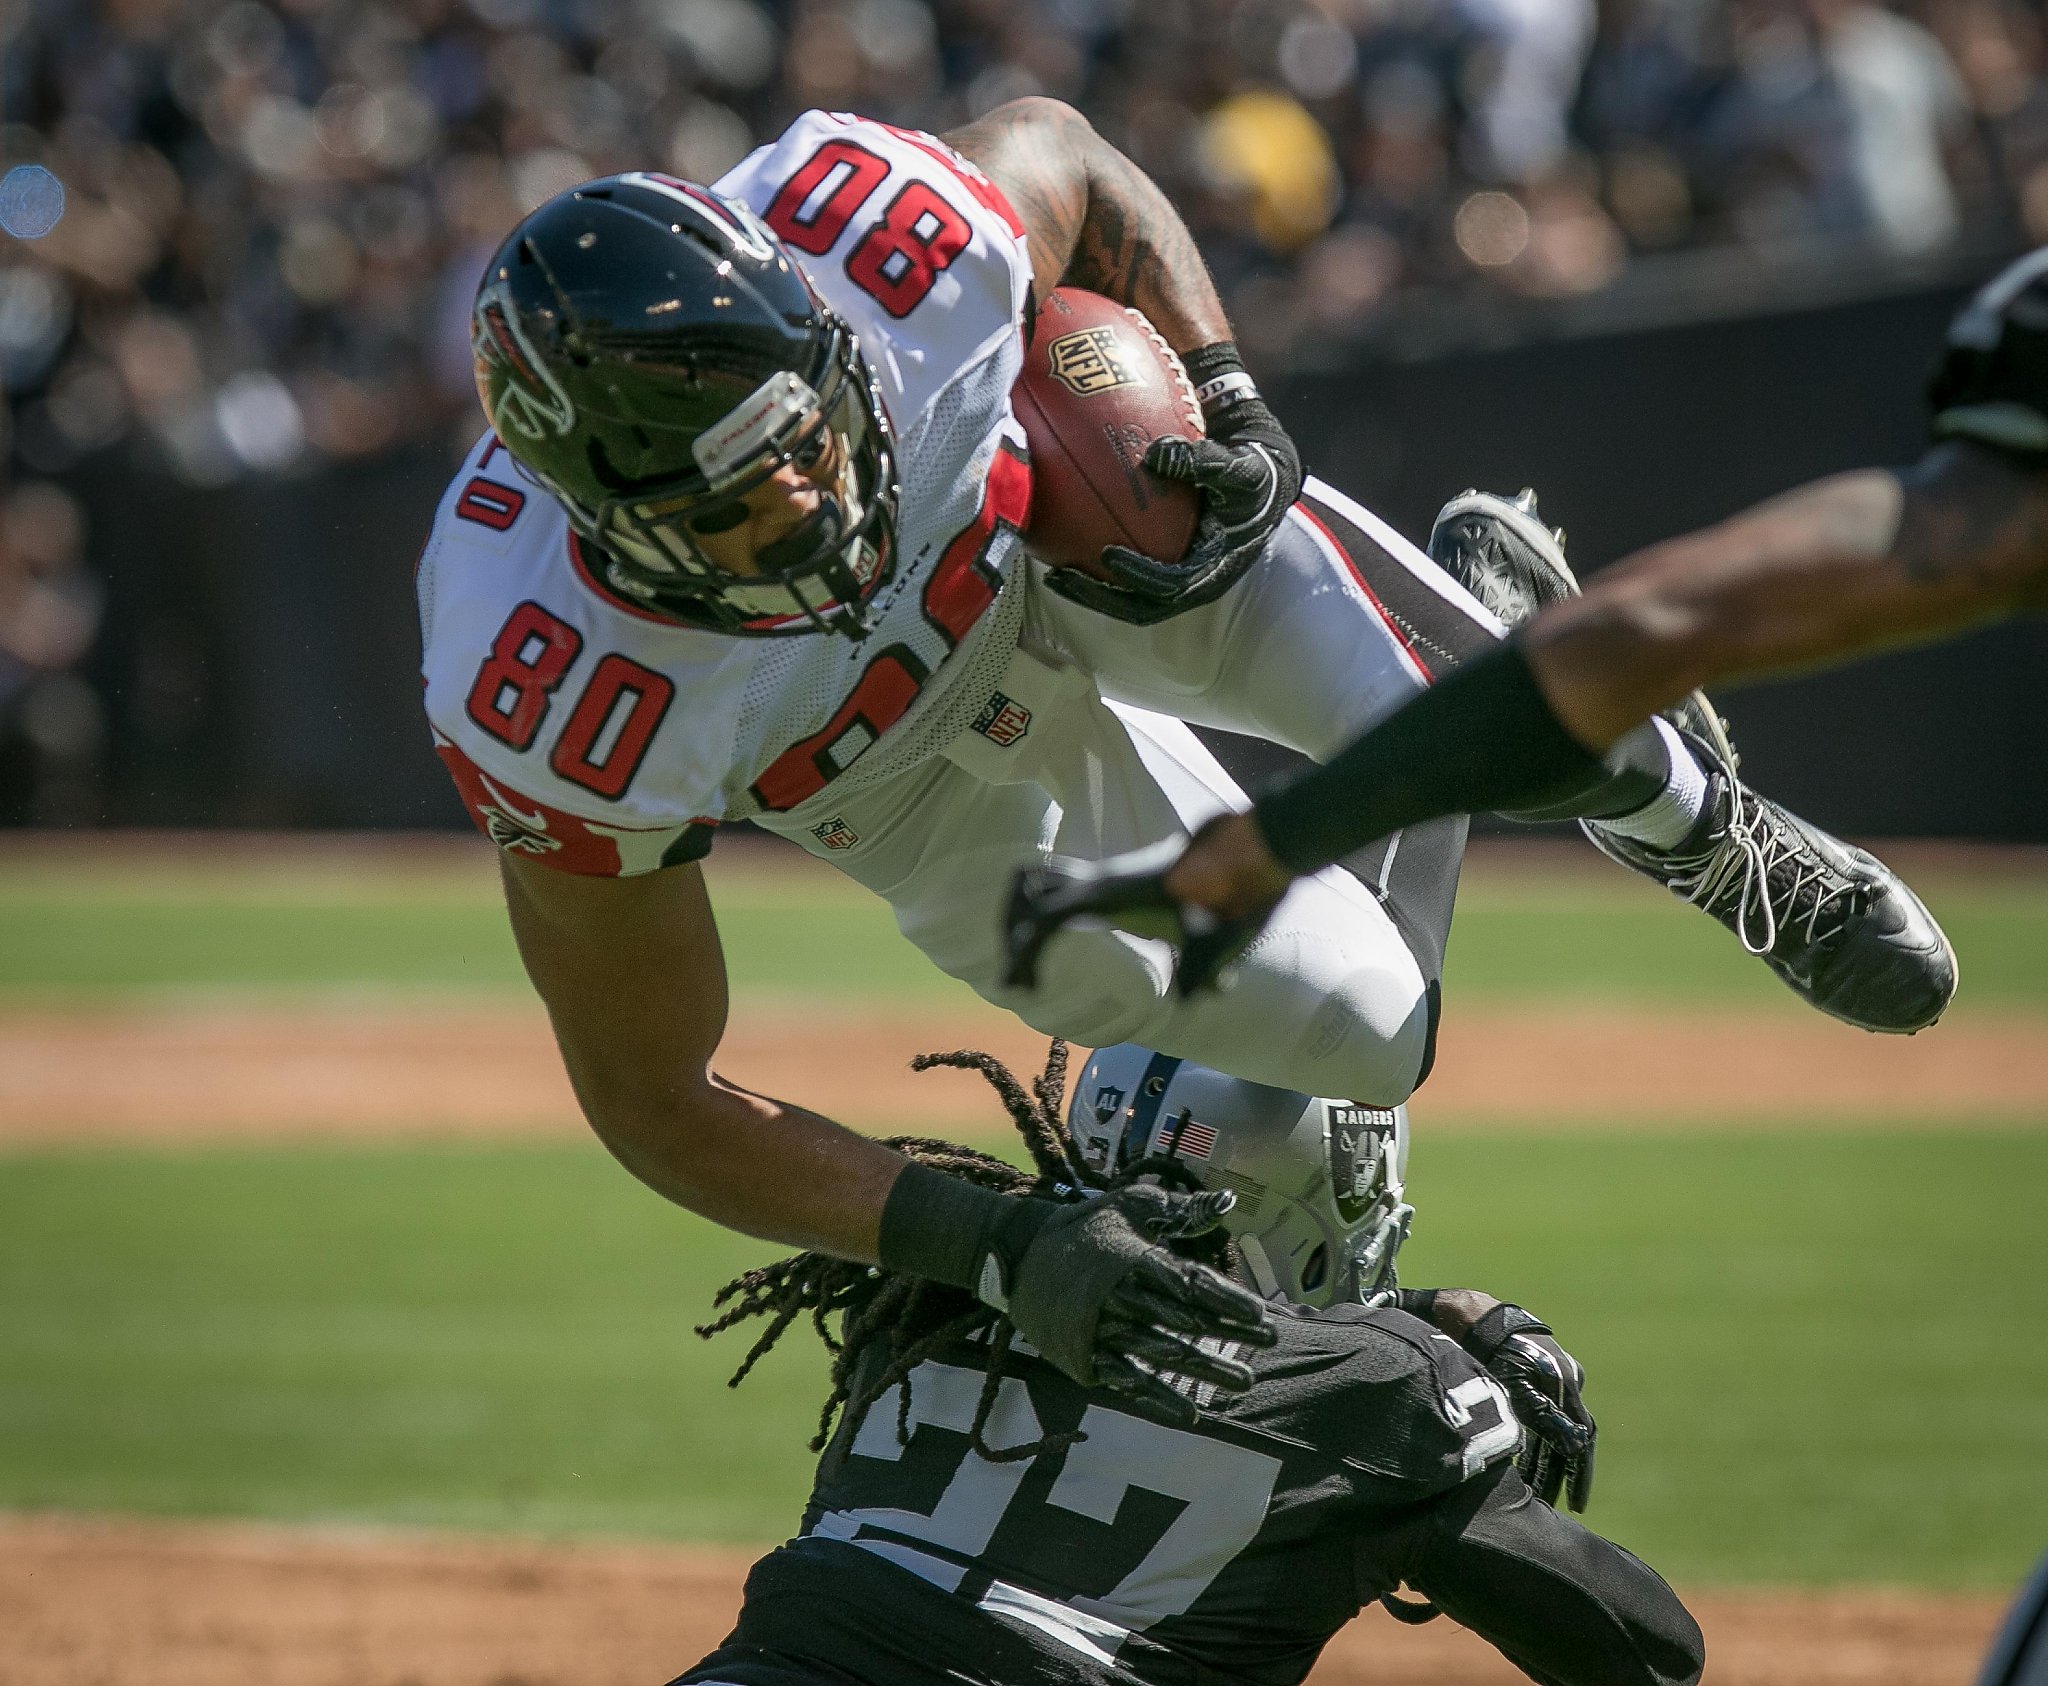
(506, 826)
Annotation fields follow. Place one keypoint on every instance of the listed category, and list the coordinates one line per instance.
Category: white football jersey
(595, 737)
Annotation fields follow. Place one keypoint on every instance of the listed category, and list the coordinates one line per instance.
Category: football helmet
(1319, 1215)
(650, 354)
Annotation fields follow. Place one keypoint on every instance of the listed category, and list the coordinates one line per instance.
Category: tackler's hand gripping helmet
(649, 353)
(1319, 1214)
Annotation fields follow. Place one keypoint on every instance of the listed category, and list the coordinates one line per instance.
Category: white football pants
(1340, 623)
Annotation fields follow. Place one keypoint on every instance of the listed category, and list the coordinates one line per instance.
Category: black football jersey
(1992, 384)
(1142, 1553)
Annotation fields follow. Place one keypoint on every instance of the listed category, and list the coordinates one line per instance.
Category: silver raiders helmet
(1319, 1214)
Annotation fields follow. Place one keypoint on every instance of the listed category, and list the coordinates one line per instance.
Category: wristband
(1498, 1327)
(1219, 377)
(945, 1229)
(1480, 740)
(1225, 389)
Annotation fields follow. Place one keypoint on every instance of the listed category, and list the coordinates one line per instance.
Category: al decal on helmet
(649, 354)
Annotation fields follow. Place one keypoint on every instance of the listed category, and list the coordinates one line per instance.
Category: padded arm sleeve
(1562, 1604)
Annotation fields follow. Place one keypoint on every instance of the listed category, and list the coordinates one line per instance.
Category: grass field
(1815, 1358)
(1796, 1374)
(85, 931)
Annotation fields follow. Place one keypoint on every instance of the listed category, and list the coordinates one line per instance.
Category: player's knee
(1366, 1041)
(1362, 1034)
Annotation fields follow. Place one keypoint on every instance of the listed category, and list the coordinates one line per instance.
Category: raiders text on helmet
(650, 354)
(1319, 1214)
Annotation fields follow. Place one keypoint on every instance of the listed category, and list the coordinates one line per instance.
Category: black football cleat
(1836, 925)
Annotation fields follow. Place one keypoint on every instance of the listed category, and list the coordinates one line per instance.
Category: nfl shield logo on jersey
(1002, 720)
(835, 833)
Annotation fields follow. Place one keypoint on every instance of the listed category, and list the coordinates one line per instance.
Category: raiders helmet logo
(1359, 1138)
(1092, 360)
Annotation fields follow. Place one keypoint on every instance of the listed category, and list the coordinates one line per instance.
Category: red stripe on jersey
(961, 587)
(1357, 574)
(963, 170)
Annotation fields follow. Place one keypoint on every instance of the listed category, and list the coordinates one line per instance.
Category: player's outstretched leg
(1831, 920)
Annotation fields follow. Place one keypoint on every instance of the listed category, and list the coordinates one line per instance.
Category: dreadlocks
(911, 1317)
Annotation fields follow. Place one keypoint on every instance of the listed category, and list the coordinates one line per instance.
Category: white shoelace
(1751, 848)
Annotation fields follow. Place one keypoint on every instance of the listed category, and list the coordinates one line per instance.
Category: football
(1099, 385)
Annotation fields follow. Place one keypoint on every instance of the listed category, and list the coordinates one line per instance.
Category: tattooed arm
(1094, 219)
(1833, 570)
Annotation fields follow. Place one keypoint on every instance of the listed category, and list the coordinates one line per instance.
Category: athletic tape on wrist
(1225, 391)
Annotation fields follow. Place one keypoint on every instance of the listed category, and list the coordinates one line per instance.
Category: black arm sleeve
(1482, 739)
(1563, 1605)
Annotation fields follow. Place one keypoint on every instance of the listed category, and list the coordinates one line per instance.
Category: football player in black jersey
(1828, 572)
(979, 1517)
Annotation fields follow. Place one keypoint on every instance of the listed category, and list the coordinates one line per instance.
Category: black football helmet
(649, 353)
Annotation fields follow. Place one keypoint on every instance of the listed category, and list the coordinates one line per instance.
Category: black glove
(1249, 475)
(1087, 1283)
(1103, 1301)
(1543, 1382)
(1128, 891)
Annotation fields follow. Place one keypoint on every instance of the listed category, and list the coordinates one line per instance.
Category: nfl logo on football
(835, 833)
(1090, 361)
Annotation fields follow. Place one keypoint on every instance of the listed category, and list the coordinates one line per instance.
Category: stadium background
(297, 1226)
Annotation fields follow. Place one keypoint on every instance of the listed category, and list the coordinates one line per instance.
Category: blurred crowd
(273, 211)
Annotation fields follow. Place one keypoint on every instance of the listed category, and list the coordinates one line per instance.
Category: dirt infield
(107, 1603)
(185, 1072)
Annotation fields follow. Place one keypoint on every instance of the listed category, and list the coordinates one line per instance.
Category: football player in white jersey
(743, 544)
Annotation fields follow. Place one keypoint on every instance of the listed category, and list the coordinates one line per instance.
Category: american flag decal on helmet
(1184, 1137)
